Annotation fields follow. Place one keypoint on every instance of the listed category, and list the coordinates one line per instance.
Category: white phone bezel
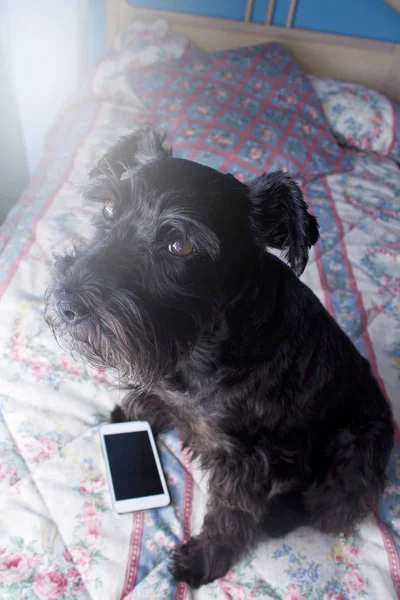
(144, 502)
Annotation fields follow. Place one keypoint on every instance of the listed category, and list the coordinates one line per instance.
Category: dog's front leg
(235, 510)
(138, 406)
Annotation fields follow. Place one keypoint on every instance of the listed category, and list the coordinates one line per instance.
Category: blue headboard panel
(364, 18)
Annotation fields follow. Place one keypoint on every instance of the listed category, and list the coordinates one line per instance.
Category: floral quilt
(59, 537)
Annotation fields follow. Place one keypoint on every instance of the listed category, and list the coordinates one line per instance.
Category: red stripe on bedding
(134, 555)
(360, 303)
(390, 548)
(182, 589)
(394, 130)
(394, 563)
(14, 266)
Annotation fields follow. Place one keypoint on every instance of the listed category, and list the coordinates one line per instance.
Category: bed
(59, 537)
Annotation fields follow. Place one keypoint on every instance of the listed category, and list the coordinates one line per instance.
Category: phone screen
(133, 468)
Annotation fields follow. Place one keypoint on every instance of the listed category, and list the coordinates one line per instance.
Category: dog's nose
(70, 308)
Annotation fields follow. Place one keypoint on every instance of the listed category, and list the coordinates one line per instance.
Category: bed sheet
(59, 537)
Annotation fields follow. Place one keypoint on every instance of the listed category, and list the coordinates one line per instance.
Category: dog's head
(175, 244)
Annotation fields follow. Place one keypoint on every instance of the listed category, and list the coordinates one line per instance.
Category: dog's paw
(188, 564)
(198, 564)
(118, 415)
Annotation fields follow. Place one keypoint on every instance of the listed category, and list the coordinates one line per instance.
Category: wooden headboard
(395, 4)
(370, 62)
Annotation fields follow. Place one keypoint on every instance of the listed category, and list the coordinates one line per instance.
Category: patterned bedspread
(59, 538)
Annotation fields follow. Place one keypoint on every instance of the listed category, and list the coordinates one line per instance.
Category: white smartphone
(134, 471)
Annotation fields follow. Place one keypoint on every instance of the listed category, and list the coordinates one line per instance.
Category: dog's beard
(141, 344)
(104, 340)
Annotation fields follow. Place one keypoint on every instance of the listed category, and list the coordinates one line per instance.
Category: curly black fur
(226, 344)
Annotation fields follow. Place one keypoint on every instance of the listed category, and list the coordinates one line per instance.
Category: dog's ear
(135, 150)
(280, 219)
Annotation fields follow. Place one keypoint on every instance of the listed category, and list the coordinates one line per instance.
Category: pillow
(360, 117)
(245, 111)
(137, 45)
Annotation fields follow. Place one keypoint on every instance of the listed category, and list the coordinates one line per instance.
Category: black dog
(219, 338)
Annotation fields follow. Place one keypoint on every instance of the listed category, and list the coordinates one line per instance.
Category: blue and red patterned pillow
(243, 111)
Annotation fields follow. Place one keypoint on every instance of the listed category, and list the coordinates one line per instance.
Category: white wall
(41, 38)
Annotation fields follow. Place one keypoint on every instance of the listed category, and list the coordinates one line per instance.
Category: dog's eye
(181, 248)
(109, 210)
